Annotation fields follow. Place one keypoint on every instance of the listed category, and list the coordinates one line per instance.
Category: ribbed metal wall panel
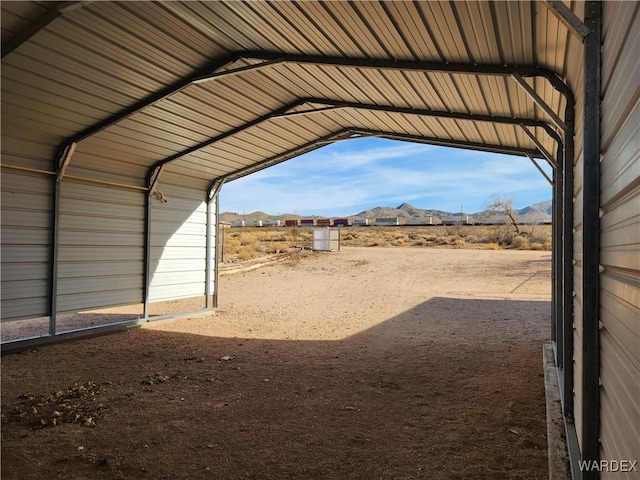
(620, 237)
(574, 63)
(178, 242)
(26, 244)
(101, 246)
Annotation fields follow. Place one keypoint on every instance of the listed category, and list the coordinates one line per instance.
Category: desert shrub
(540, 245)
(246, 253)
(399, 242)
(539, 236)
(277, 248)
(447, 240)
(520, 242)
(419, 242)
(294, 233)
(232, 243)
(471, 239)
(504, 237)
(459, 243)
(249, 242)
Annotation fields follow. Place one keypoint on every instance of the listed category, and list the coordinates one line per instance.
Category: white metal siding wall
(26, 243)
(101, 246)
(213, 220)
(620, 237)
(178, 243)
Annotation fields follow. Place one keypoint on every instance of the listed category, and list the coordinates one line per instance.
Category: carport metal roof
(194, 94)
(204, 91)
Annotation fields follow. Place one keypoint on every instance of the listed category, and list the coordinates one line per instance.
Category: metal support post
(147, 254)
(590, 441)
(556, 253)
(213, 231)
(60, 166)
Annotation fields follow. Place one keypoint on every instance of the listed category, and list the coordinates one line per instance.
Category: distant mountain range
(538, 212)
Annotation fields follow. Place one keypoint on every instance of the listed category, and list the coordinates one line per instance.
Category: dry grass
(242, 244)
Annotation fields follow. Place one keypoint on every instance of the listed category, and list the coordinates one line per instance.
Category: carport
(121, 122)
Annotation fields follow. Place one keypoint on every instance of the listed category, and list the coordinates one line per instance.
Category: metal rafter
(163, 93)
(212, 70)
(484, 147)
(331, 105)
(155, 170)
(539, 101)
(544, 151)
(544, 174)
(56, 10)
(419, 66)
(291, 153)
(347, 133)
(570, 19)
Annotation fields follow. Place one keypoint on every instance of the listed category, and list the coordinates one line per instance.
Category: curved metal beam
(212, 71)
(330, 105)
(503, 149)
(347, 132)
(281, 157)
(419, 66)
(156, 168)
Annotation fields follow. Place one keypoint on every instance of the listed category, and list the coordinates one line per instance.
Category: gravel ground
(359, 364)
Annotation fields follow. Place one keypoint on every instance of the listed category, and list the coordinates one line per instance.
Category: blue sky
(347, 177)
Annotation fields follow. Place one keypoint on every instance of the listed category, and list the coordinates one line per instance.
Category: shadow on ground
(451, 389)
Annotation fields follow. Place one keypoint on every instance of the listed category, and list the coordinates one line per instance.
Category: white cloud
(344, 181)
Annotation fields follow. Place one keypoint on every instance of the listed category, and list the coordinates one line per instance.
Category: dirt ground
(367, 363)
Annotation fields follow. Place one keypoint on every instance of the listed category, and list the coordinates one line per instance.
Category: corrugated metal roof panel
(115, 54)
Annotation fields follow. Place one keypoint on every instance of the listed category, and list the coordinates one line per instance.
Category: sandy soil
(367, 363)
